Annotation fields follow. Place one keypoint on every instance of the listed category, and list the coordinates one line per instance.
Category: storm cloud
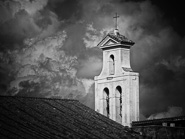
(48, 49)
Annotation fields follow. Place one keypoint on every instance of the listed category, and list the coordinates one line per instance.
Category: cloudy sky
(48, 49)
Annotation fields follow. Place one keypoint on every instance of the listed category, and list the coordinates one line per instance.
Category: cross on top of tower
(116, 22)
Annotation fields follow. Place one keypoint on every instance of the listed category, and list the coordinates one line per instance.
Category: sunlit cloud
(48, 48)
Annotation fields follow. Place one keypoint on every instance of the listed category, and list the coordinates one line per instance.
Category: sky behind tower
(48, 48)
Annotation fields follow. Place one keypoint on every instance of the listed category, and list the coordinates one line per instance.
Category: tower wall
(121, 103)
(122, 59)
(129, 84)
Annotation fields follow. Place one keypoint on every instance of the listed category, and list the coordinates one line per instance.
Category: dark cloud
(158, 54)
(89, 67)
(42, 19)
(89, 99)
(15, 30)
(68, 10)
(172, 12)
(160, 87)
(74, 43)
(171, 112)
(20, 20)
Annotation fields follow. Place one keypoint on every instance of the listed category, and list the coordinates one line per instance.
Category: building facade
(117, 86)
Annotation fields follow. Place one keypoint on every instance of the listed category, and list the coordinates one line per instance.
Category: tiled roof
(120, 38)
(44, 118)
(177, 120)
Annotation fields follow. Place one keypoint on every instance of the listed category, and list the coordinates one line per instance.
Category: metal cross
(116, 24)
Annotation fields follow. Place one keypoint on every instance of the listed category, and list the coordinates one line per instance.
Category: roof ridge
(161, 119)
(120, 38)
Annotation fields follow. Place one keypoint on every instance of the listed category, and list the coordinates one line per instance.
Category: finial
(116, 24)
(116, 17)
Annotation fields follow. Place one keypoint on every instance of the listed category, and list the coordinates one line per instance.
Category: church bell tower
(117, 86)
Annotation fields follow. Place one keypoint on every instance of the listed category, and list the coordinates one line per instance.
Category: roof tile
(43, 118)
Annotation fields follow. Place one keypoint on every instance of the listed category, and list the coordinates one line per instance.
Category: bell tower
(117, 86)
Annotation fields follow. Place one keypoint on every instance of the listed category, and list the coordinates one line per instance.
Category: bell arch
(106, 102)
(118, 94)
(111, 65)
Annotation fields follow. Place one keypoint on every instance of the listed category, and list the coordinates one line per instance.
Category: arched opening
(119, 104)
(111, 65)
(106, 106)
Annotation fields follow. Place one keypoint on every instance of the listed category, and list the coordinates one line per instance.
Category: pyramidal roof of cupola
(115, 38)
(119, 38)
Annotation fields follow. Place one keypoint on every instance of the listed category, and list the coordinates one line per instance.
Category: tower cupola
(117, 86)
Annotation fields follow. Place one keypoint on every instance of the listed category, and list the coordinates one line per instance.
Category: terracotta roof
(120, 38)
(44, 118)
